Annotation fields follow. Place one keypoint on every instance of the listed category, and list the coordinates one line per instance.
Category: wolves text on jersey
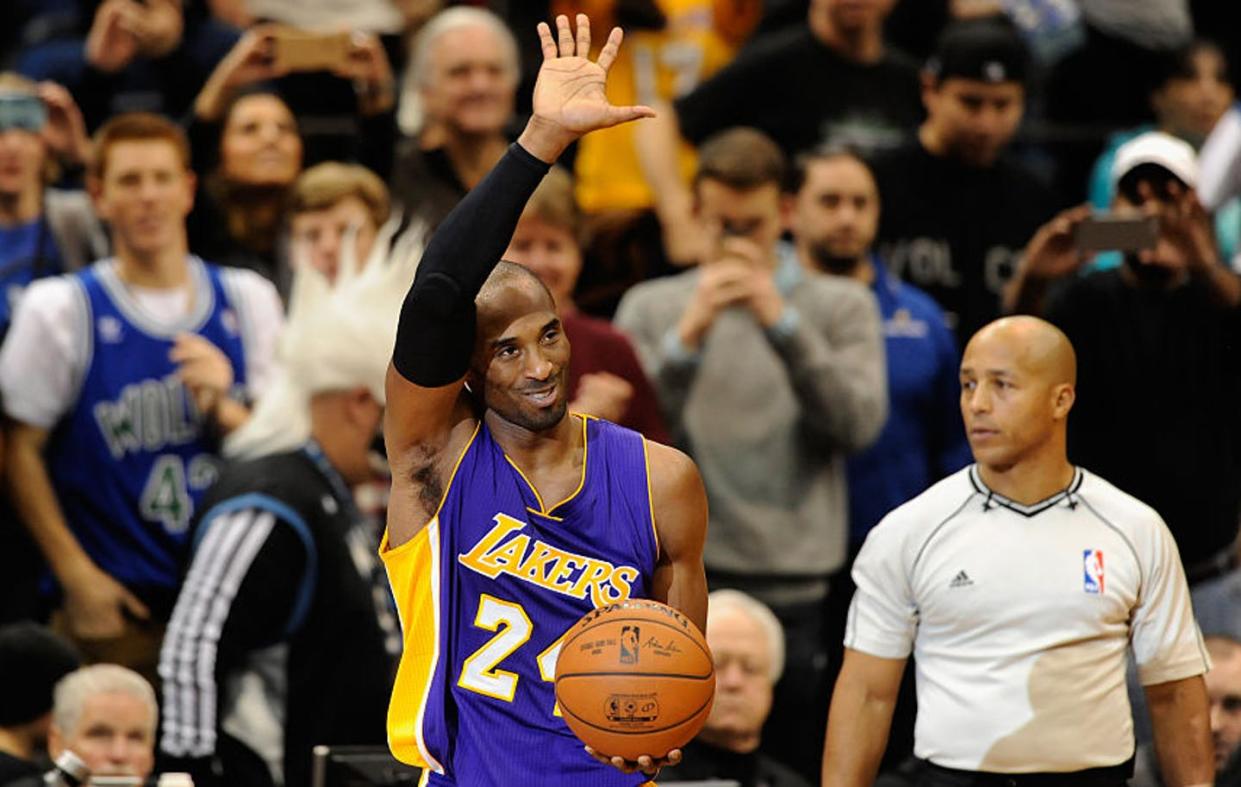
(147, 416)
(541, 564)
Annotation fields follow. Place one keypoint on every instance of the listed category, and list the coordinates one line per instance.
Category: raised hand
(65, 132)
(252, 59)
(110, 46)
(569, 98)
(1052, 252)
(204, 369)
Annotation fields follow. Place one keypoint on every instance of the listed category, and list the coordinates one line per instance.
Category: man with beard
(1157, 340)
(834, 219)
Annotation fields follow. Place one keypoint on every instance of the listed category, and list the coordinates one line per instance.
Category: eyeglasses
(22, 111)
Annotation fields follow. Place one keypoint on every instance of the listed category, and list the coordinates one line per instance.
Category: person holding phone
(43, 231)
(768, 374)
(248, 144)
(1156, 337)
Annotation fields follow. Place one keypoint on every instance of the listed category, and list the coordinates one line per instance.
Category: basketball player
(510, 517)
(1020, 582)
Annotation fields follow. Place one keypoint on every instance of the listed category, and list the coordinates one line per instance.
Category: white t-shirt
(47, 352)
(1019, 617)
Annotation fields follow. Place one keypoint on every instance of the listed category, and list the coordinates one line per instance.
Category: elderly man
(747, 643)
(106, 715)
(463, 73)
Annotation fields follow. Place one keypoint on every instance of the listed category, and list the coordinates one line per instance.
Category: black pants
(932, 775)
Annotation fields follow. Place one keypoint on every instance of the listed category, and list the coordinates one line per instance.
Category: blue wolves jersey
(487, 591)
(131, 458)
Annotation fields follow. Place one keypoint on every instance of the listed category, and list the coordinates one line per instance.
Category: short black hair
(32, 660)
(1178, 63)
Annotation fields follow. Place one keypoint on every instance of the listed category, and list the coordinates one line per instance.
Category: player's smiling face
(521, 357)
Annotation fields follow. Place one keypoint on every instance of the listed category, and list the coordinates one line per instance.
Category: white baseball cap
(1156, 147)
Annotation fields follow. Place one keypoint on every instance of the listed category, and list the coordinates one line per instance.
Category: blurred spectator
(373, 16)
(834, 220)
(1224, 691)
(685, 42)
(747, 644)
(956, 209)
(246, 141)
(1105, 82)
(832, 80)
(1220, 171)
(43, 231)
(32, 660)
(1165, 323)
(460, 88)
(116, 381)
(106, 715)
(283, 560)
(768, 375)
(330, 203)
(1188, 101)
(671, 46)
(125, 55)
(605, 377)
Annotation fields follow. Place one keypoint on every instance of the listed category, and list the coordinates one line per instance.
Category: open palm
(569, 92)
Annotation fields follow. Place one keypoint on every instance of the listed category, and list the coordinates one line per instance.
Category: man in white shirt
(1018, 584)
(118, 381)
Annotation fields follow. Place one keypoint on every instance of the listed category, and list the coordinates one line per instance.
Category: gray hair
(410, 114)
(457, 18)
(73, 690)
(721, 600)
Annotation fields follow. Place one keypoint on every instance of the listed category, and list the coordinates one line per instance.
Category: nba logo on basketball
(1092, 570)
(629, 644)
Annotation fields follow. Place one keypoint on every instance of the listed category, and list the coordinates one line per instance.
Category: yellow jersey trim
(650, 496)
(414, 574)
(543, 509)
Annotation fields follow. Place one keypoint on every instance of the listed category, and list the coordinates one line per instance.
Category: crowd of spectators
(775, 275)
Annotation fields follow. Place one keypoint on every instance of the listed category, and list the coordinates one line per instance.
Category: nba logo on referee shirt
(1092, 570)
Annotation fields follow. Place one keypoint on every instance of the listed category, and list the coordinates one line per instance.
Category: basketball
(635, 678)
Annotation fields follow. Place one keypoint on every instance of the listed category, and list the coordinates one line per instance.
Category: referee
(1018, 583)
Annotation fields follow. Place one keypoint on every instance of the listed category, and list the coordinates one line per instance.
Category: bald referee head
(1017, 387)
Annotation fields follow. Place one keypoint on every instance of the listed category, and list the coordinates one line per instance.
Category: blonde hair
(553, 202)
(324, 185)
(73, 690)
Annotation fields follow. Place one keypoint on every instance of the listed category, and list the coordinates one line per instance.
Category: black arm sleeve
(435, 336)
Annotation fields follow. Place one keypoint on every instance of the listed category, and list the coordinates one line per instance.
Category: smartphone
(299, 50)
(1115, 232)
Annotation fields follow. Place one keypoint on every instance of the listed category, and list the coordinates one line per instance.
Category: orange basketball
(635, 678)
